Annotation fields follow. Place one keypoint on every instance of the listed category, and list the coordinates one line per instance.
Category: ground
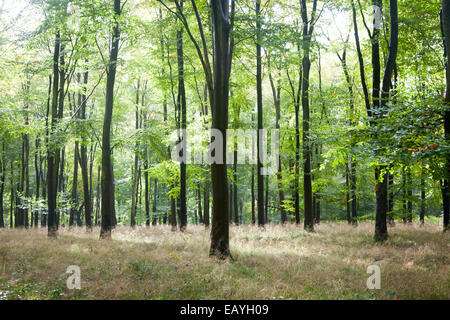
(275, 263)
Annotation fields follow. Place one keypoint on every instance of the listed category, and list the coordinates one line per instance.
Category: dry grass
(277, 263)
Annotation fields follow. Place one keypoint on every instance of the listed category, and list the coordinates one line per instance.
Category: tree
(308, 29)
(446, 184)
(108, 212)
(381, 232)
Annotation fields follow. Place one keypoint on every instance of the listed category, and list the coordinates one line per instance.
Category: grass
(276, 263)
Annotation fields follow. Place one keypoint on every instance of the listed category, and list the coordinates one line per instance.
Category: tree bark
(308, 29)
(84, 161)
(222, 49)
(381, 232)
(260, 177)
(446, 184)
(108, 211)
(52, 151)
(2, 183)
(182, 106)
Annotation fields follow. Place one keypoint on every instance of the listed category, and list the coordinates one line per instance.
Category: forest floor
(277, 263)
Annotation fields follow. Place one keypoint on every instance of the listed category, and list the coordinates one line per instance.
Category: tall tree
(182, 107)
(260, 177)
(381, 232)
(446, 184)
(308, 29)
(52, 151)
(108, 211)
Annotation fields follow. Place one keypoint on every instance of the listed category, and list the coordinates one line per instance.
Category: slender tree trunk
(391, 198)
(136, 164)
(98, 196)
(199, 204)
(206, 204)
(108, 207)
(182, 105)
(2, 183)
(147, 192)
(155, 199)
(38, 179)
(422, 196)
(253, 196)
(347, 194)
(173, 214)
(260, 177)
(308, 29)
(74, 206)
(84, 161)
(350, 173)
(409, 187)
(266, 200)
(52, 151)
(12, 196)
(276, 93)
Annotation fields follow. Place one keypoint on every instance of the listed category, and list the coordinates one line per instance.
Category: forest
(224, 149)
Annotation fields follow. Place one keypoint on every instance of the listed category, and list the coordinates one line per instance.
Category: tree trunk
(222, 50)
(155, 198)
(74, 197)
(409, 187)
(136, 164)
(52, 152)
(84, 162)
(260, 177)
(308, 29)
(108, 207)
(391, 198)
(182, 105)
(253, 196)
(422, 196)
(206, 204)
(2, 183)
(446, 185)
(381, 232)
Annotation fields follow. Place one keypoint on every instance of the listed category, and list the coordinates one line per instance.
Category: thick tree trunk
(446, 185)
(108, 207)
(381, 232)
(219, 104)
